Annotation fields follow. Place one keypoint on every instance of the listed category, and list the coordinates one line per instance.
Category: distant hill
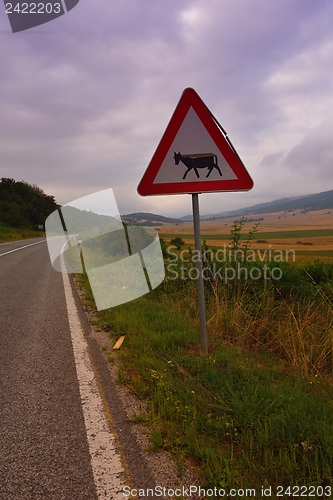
(305, 203)
(147, 219)
(76, 220)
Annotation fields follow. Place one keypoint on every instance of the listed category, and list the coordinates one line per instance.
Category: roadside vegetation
(258, 410)
(23, 208)
(8, 233)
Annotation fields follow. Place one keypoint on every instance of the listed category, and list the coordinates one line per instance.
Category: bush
(177, 242)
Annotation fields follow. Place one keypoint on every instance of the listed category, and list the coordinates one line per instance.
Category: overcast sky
(85, 99)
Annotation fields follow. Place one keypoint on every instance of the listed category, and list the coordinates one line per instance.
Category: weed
(156, 440)
(142, 417)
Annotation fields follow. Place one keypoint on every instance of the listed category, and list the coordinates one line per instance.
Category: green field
(312, 255)
(305, 233)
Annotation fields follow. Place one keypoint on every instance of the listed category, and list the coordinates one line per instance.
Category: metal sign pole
(200, 281)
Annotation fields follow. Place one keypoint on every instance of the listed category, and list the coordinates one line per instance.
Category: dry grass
(278, 222)
(299, 333)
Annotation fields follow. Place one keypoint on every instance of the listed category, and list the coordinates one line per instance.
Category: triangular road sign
(194, 155)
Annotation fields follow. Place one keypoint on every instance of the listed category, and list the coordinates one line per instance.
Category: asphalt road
(44, 449)
(43, 446)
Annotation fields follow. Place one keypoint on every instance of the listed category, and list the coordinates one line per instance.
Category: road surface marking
(108, 471)
(20, 248)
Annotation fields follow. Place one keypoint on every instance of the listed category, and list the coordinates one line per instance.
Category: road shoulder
(147, 469)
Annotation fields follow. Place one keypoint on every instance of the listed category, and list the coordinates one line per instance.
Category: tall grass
(297, 331)
(257, 411)
(13, 234)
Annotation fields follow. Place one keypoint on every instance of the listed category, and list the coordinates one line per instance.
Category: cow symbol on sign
(195, 161)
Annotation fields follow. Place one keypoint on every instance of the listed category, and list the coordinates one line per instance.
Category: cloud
(273, 159)
(307, 164)
(314, 154)
(84, 105)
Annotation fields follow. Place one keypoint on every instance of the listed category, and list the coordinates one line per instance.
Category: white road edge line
(106, 465)
(20, 248)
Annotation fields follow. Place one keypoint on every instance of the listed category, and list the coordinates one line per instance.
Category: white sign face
(193, 140)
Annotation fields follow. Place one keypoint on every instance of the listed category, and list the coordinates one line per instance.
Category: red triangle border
(190, 99)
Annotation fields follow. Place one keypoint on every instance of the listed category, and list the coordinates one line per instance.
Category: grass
(258, 409)
(13, 234)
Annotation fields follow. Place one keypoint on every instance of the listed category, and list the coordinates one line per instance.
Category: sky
(85, 99)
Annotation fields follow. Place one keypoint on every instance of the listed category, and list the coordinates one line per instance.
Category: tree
(24, 205)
